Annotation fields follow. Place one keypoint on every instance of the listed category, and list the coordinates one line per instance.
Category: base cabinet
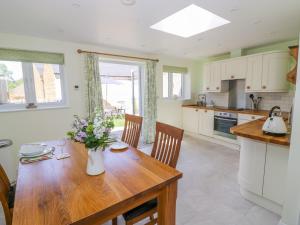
(275, 172)
(190, 119)
(252, 163)
(262, 172)
(198, 121)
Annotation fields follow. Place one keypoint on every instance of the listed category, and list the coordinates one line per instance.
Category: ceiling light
(128, 2)
(190, 21)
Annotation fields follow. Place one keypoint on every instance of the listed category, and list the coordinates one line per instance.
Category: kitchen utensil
(255, 101)
(275, 124)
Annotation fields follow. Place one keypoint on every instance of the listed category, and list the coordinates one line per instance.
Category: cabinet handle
(248, 87)
(218, 88)
(232, 77)
(264, 87)
(205, 110)
(196, 110)
(207, 88)
(253, 117)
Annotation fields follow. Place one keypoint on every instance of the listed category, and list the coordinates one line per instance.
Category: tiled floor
(209, 192)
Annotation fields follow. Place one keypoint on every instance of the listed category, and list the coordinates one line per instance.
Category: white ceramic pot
(95, 164)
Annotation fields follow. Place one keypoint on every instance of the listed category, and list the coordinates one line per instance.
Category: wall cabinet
(235, 69)
(275, 69)
(212, 74)
(264, 72)
(198, 121)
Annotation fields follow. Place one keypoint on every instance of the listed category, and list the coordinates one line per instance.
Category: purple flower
(77, 138)
(81, 134)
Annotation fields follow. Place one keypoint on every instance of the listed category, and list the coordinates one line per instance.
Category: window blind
(31, 56)
(175, 69)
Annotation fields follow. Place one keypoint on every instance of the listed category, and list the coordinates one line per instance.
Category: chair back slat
(132, 130)
(4, 194)
(167, 144)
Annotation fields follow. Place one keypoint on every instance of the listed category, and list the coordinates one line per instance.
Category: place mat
(27, 160)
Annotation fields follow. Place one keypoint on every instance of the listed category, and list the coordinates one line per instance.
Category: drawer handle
(232, 77)
(248, 87)
(207, 88)
(264, 87)
(253, 117)
(218, 88)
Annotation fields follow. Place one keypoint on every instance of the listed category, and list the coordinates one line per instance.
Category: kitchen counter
(253, 130)
(224, 109)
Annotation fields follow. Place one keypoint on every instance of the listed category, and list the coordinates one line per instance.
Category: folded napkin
(27, 160)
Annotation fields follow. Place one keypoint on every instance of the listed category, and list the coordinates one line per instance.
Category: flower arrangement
(93, 132)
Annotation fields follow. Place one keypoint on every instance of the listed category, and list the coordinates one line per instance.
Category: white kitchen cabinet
(213, 77)
(206, 122)
(275, 172)
(235, 69)
(252, 165)
(275, 68)
(245, 118)
(190, 118)
(254, 73)
(206, 77)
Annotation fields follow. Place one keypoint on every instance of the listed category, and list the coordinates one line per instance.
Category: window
(173, 82)
(25, 85)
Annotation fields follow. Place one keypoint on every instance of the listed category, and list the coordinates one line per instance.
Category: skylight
(190, 21)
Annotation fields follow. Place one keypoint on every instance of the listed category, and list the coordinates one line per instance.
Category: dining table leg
(167, 205)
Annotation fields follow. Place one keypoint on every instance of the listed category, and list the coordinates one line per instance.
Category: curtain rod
(116, 55)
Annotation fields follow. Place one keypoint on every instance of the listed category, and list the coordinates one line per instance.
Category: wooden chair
(132, 130)
(166, 149)
(7, 193)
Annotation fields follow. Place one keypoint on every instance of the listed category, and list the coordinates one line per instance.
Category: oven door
(222, 126)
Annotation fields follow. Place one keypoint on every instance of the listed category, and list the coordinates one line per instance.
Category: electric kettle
(275, 124)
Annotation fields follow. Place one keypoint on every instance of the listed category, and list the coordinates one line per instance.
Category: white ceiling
(109, 22)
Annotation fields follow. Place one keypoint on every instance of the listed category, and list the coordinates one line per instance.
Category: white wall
(39, 125)
(291, 210)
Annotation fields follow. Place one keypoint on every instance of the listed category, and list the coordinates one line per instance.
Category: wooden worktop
(253, 130)
(224, 109)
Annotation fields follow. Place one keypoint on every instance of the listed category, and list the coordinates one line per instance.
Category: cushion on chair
(140, 210)
(11, 196)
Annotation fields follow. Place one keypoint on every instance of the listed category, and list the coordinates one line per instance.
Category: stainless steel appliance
(223, 121)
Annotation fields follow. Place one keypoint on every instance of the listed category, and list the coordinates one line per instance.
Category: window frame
(29, 91)
(170, 87)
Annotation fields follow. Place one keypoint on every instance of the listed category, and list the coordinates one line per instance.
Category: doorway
(121, 89)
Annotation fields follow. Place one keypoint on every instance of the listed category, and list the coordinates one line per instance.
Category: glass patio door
(121, 87)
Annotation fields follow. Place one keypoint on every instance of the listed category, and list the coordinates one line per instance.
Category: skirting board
(261, 201)
(281, 223)
(233, 144)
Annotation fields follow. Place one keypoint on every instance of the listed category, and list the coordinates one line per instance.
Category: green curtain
(175, 69)
(150, 105)
(94, 89)
(31, 56)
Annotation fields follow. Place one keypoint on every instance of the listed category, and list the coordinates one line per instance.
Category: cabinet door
(215, 76)
(190, 119)
(206, 78)
(251, 175)
(275, 173)
(254, 73)
(207, 117)
(275, 68)
(236, 68)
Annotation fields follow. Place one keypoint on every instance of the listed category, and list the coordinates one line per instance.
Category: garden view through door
(121, 89)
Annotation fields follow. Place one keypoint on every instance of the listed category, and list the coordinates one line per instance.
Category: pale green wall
(197, 86)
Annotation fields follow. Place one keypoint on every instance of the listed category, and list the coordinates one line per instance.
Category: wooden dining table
(59, 192)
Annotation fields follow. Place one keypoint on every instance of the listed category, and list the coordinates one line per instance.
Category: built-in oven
(223, 121)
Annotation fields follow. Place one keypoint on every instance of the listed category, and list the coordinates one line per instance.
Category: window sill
(39, 108)
(176, 99)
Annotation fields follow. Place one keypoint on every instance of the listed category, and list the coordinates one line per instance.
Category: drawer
(249, 117)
